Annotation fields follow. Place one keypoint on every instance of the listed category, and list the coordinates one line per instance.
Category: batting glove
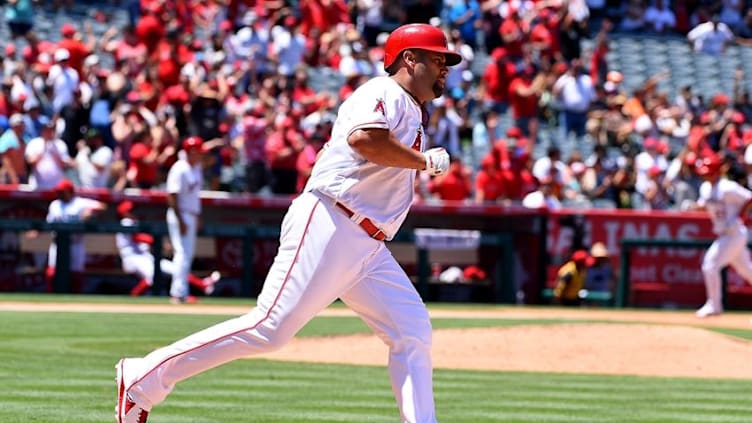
(437, 161)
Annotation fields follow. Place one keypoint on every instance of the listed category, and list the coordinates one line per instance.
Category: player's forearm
(172, 202)
(380, 147)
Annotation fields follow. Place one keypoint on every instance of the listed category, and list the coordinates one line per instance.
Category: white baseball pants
(322, 256)
(184, 247)
(143, 266)
(77, 255)
(726, 250)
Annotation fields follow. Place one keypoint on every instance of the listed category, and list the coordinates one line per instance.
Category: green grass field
(59, 367)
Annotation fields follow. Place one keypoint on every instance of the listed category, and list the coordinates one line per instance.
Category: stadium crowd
(110, 110)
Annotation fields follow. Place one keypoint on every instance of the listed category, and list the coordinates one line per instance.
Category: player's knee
(414, 335)
(709, 268)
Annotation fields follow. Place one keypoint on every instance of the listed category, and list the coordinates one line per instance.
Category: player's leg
(317, 261)
(388, 302)
(182, 252)
(716, 257)
(49, 272)
(78, 262)
(143, 266)
(741, 262)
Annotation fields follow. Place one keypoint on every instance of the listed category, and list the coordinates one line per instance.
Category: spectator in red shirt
(307, 157)
(253, 133)
(78, 51)
(489, 186)
(455, 185)
(143, 167)
(524, 95)
(150, 29)
(129, 50)
(513, 31)
(496, 78)
(322, 14)
(283, 146)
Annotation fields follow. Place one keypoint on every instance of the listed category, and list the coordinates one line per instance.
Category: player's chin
(438, 89)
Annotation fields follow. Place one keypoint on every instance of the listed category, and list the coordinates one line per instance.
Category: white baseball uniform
(71, 211)
(185, 181)
(326, 253)
(724, 200)
(136, 257)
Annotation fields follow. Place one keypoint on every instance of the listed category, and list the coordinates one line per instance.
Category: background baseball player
(184, 182)
(136, 257)
(69, 207)
(727, 202)
(331, 243)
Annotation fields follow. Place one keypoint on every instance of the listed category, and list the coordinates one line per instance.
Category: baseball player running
(136, 257)
(331, 243)
(184, 182)
(727, 203)
(69, 207)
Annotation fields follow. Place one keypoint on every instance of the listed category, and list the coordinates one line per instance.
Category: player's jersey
(127, 244)
(381, 193)
(186, 182)
(724, 201)
(70, 211)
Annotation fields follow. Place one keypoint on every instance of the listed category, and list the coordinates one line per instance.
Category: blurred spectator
(575, 90)
(465, 16)
(634, 16)
(48, 158)
(12, 150)
(710, 37)
(524, 95)
(283, 145)
(731, 12)
(72, 42)
(497, 76)
(19, 14)
(444, 126)
(489, 186)
(659, 17)
(655, 194)
(288, 45)
(63, 79)
(544, 197)
(455, 185)
(93, 161)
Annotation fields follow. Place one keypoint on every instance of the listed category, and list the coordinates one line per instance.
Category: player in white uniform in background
(69, 207)
(331, 243)
(136, 257)
(184, 182)
(727, 203)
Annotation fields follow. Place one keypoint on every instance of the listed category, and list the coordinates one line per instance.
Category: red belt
(372, 230)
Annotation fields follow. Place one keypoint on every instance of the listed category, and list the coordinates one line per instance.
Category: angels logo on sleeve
(380, 107)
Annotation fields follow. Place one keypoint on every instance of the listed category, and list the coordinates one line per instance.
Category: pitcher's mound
(618, 349)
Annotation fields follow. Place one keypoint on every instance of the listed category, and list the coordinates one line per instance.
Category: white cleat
(209, 282)
(708, 310)
(126, 410)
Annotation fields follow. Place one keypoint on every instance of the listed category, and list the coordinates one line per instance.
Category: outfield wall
(542, 241)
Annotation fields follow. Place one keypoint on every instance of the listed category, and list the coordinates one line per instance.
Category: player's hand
(437, 161)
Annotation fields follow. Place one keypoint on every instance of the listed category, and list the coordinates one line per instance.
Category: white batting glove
(437, 161)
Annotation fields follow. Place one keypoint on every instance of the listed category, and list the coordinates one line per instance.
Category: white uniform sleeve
(377, 109)
(738, 194)
(174, 177)
(53, 212)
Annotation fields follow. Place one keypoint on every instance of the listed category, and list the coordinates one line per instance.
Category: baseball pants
(143, 266)
(323, 255)
(726, 250)
(184, 247)
(77, 255)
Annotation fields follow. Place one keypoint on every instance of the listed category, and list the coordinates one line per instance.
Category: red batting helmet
(709, 165)
(420, 36)
(193, 144)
